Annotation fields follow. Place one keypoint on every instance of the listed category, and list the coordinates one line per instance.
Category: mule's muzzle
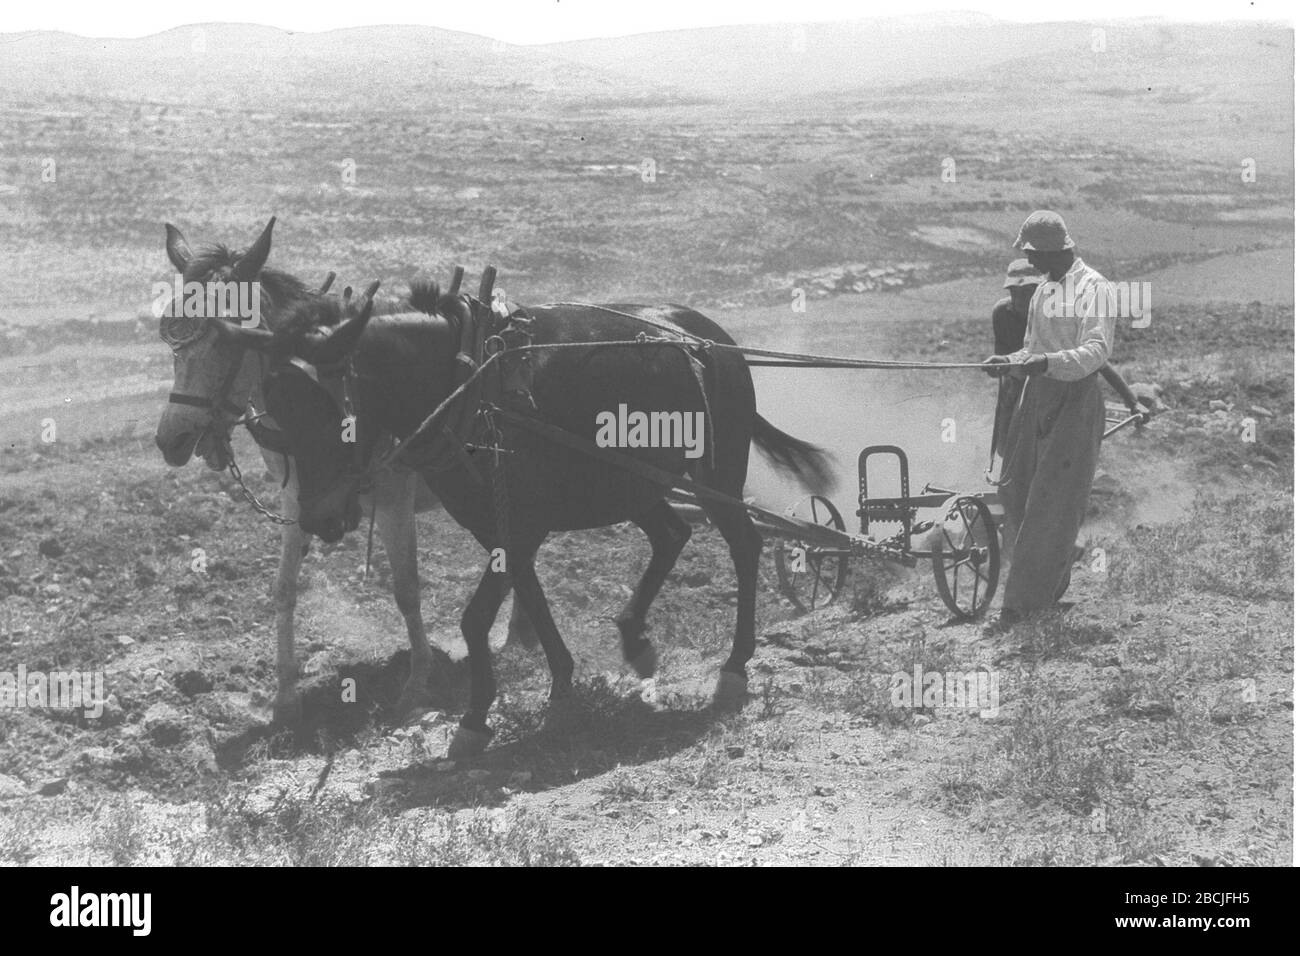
(177, 450)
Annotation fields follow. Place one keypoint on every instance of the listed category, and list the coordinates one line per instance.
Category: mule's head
(321, 439)
(214, 375)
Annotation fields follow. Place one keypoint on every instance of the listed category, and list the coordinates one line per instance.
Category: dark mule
(406, 367)
(216, 379)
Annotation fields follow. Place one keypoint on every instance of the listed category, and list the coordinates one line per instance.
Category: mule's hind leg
(668, 533)
(473, 734)
(746, 546)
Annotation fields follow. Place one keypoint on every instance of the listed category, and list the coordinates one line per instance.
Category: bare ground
(1149, 725)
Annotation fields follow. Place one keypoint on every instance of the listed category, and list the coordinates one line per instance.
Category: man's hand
(1034, 365)
(998, 365)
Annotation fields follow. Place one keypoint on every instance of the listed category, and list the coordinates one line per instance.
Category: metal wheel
(814, 581)
(966, 558)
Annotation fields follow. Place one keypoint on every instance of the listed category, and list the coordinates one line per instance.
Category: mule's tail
(810, 464)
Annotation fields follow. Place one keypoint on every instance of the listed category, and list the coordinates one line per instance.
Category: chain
(500, 481)
(248, 495)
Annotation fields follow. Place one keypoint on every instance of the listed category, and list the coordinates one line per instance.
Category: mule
(216, 380)
(513, 498)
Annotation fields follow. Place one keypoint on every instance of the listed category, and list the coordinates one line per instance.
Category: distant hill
(776, 60)
(230, 65)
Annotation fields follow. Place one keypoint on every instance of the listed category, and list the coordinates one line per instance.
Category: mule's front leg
(287, 708)
(473, 734)
(394, 504)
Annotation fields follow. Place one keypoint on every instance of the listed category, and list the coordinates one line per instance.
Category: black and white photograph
(553, 433)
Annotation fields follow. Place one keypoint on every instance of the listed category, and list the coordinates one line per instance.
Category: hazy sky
(542, 21)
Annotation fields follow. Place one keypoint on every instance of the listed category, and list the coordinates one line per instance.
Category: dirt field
(1134, 706)
(1150, 725)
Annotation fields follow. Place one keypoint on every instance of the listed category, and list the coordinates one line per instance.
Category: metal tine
(325, 286)
(458, 274)
(486, 283)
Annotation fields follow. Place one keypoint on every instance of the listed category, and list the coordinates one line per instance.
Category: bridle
(214, 428)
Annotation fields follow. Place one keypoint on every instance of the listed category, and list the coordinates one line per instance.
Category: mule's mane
(311, 312)
(426, 296)
(286, 292)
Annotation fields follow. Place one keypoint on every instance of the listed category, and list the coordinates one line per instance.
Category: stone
(52, 787)
(165, 724)
(113, 713)
(96, 757)
(192, 682)
(11, 788)
(52, 548)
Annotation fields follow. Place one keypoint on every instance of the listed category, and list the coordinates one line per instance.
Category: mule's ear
(178, 250)
(259, 340)
(338, 342)
(251, 262)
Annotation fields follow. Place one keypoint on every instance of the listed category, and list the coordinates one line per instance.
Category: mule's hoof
(732, 691)
(563, 714)
(468, 743)
(413, 702)
(645, 663)
(286, 711)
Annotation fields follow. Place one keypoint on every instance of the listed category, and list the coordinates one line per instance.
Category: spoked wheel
(965, 558)
(809, 575)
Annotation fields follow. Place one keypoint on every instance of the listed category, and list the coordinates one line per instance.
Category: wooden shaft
(486, 283)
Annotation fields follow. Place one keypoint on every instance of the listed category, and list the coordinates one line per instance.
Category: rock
(198, 753)
(52, 548)
(96, 757)
(1105, 485)
(165, 724)
(124, 640)
(52, 787)
(191, 683)
(51, 591)
(1264, 412)
(1148, 393)
(12, 788)
(113, 712)
(1219, 405)
(735, 751)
